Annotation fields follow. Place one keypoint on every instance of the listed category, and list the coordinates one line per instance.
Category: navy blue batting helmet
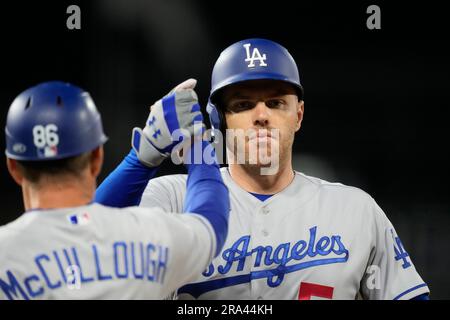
(53, 120)
(251, 59)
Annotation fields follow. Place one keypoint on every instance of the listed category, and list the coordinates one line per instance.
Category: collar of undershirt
(261, 197)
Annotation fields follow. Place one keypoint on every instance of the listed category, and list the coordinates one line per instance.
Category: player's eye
(240, 106)
(275, 103)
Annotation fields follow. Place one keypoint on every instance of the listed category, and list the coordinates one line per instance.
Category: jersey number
(45, 135)
(308, 290)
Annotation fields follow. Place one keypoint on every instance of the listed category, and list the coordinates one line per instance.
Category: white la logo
(256, 55)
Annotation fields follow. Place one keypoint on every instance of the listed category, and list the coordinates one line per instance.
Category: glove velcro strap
(146, 152)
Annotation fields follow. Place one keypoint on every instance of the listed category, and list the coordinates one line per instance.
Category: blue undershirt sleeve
(207, 195)
(125, 185)
(422, 297)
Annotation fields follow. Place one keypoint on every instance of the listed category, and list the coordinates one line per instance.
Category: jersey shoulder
(171, 179)
(10, 231)
(178, 179)
(336, 190)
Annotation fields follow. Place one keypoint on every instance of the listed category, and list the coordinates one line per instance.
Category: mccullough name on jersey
(325, 250)
(73, 267)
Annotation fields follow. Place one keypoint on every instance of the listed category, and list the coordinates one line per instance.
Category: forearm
(208, 196)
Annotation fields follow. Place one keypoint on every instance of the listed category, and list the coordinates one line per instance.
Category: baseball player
(291, 236)
(65, 246)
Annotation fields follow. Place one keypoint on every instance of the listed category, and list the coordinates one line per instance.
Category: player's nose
(261, 114)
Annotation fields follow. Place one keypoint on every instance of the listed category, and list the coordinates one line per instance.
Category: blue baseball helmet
(251, 59)
(53, 120)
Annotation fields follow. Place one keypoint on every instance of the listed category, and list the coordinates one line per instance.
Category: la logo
(256, 55)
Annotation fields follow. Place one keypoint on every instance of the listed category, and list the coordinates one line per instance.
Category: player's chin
(264, 168)
(261, 164)
(262, 144)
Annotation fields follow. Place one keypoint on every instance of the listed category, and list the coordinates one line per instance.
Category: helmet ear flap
(218, 126)
(215, 118)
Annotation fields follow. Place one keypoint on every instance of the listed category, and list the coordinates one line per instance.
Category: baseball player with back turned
(291, 236)
(67, 247)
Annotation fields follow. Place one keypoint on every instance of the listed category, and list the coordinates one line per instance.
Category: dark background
(376, 102)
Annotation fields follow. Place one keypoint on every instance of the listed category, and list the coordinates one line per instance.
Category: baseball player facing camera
(291, 236)
(65, 246)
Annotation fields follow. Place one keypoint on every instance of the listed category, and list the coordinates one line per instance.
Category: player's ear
(300, 112)
(14, 171)
(96, 161)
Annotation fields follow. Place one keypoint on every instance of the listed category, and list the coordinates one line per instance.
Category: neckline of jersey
(32, 210)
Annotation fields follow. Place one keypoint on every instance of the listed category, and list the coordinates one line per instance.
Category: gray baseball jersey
(98, 252)
(313, 240)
